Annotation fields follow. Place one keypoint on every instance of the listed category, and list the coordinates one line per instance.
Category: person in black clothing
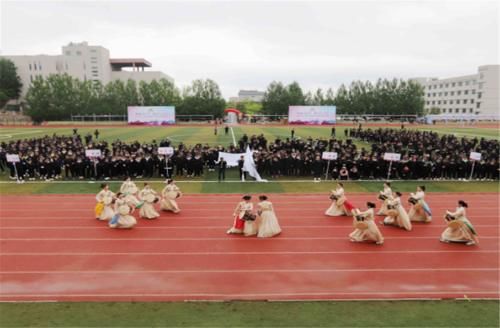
(333, 133)
(215, 130)
(243, 174)
(293, 134)
(221, 166)
(75, 131)
(96, 133)
(226, 130)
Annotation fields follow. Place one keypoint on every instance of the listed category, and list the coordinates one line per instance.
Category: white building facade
(83, 62)
(475, 94)
(248, 95)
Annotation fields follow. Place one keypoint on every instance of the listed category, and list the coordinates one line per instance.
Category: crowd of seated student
(425, 155)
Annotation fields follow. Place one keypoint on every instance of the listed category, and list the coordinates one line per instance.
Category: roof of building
(129, 62)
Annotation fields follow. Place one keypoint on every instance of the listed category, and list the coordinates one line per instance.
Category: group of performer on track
(118, 208)
(459, 228)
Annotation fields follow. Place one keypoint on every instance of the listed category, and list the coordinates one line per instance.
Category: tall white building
(84, 62)
(464, 95)
(248, 95)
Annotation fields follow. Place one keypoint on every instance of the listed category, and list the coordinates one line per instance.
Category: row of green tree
(384, 97)
(57, 97)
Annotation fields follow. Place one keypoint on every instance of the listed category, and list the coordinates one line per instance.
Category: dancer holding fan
(419, 210)
(459, 229)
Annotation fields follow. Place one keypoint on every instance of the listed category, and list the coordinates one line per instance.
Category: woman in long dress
(396, 213)
(239, 212)
(365, 227)
(104, 208)
(385, 195)
(419, 210)
(460, 229)
(122, 219)
(268, 225)
(129, 189)
(149, 197)
(169, 195)
(338, 198)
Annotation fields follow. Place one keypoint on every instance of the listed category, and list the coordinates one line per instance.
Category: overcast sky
(246, 45)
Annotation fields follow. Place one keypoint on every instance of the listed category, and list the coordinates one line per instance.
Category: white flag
(249, 166)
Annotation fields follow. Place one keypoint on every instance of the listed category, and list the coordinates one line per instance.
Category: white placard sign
(13, 158)
(93, 153)
(165, 150)
(329, 155)
(393, 157)
(475, 156)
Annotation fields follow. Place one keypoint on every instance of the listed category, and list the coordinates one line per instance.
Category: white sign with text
(393, 157)
(475, 156)
(13, 158)
(165, 150)
(329, 155)
(93, 153)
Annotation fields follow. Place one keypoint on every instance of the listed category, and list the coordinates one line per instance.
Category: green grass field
(253, 314)
(446, 313)
(191, 135)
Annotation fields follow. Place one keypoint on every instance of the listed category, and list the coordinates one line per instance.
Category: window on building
(459, 84)
(464, 110)
(451, 102)
(444, 102)
(450, 110)
(467, 82)
(433, 102)
(434, 94)
(439, 94)
(471, 110)
(428, 103)
(459, 93)
(428, 95)
(452, 93)
(447, 85)
(443, 110)
(93, 50)
(446, 93)
(29, 66)
(465, 101)
(439, 102)
(480, 85)
(68, 53)
(34, 65)
(478, 105)
(440, 86)
(78, 53)
(31, 78)
(453, 84)
(481, 75)
(435, 86)
(472, 101)
(479, 95)
(466, 92)
(473, 91)
(457, 110)
(39, 66)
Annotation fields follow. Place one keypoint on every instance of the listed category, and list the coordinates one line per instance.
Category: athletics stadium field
(79, 272)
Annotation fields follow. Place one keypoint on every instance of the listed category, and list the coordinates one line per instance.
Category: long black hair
(463, 204)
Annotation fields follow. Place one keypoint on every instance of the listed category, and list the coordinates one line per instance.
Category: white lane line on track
(105, 228)
(246, 253)
(210, 239)
(232, 134)
(253, 271)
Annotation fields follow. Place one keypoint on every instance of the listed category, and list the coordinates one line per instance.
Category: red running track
(51, 248)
